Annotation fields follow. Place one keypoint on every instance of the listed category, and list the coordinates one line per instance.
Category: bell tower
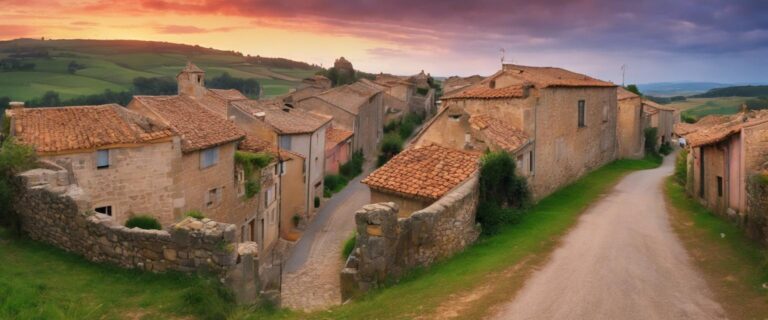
(191, 81)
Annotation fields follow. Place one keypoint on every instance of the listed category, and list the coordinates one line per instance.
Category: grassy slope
(37, 281)
(482, 264)
(735, 267)
(114, 65)
(41, 282)
(699, 107)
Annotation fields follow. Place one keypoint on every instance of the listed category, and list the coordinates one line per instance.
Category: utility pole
(503, 53)
(623, 73)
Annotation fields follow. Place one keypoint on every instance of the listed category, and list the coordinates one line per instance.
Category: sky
(685, 40)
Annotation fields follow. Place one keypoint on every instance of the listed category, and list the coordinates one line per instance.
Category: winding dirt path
(622, 261)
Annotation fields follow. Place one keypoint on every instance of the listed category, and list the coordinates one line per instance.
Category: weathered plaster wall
(388, 246)
(292, 196)
(406, 206)
(630, 128)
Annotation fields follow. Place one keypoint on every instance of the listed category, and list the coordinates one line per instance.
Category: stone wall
(755, 221)
(387, 247)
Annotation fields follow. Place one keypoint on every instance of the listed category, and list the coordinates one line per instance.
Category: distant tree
(633, 88)
(154, 86)
(249, 86)
(49, 99)
(13, 64)
(73, 66)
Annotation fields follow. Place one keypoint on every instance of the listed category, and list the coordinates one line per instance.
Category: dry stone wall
(56, 212)
(387, 247)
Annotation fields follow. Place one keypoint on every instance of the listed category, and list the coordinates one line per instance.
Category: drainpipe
(310, 184)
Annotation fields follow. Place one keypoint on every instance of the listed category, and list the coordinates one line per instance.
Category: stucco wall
(293, 197)
(369, 127)
(406, 206)
(630, 128)
(564, 151)
(388, 246)
(341, 118)
(337, 156)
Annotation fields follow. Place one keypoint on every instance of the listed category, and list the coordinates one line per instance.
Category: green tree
(14, 158)
(503, 194)
(633, 88)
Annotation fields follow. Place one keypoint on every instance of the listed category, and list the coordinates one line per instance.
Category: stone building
(570, 119)
(294, 130)
(453, 84)
(107, 151)
(631, 122)
(724, 152)
(661, 117)
(417, 177)
(355, 107)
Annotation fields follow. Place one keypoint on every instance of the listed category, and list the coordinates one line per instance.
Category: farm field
(114, 64)
(699, 107)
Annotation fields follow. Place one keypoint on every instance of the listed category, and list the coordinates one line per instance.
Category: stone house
(397, 87)
(661, 117)
(394, 108)
(419, 176)
(631, 122)
(355, 107)
(291, 129)
(338, 143)
(309, 87)
(453, 84)
(106, 150)
(724, 152)
(570, 120)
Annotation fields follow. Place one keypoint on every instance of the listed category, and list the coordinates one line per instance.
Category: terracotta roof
(657, 106)
(682, 129)
(515, 91)
(285, 120)
(455, 83)
(217, 100)
(229, 94)
(622, 94)
(427, 172)
(549, 77)
(191, 67)
(389, 80)
(67, 129)
(334, 136)
(255, 144)
(714, 133)
(348, 97)
(500, 132)
(198, 127)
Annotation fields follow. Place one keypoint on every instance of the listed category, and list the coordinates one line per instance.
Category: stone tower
(191, 81)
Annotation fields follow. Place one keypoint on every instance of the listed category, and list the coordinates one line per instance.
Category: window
(530, 160)
(209, 157)
(520, 162)
(582, 114)
(199, 79)
(213, 197)
(492, 84)
(269, 196)
(455, 117)
(719, 186)
(285, 142)
(104, 210)
(102, 159)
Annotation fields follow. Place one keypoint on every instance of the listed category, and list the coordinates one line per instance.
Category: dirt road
(622, 261)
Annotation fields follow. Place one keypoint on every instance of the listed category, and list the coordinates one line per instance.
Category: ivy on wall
(252, 162)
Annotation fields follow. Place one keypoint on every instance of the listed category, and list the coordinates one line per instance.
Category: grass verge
(735, 267)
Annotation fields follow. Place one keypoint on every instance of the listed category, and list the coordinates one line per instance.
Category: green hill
(738, 91)
(113, 64)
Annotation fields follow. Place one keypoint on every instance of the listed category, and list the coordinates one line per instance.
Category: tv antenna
(503, 54)
(623, 73)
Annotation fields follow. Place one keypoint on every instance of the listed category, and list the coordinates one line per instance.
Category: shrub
(503, 194)
(14, 158)
(145, 222)
(665, 148)
(250, 162)
(349, 246)
(333, 183)
(681, 167)
(209, 300)
(687, 118)
(252, 188)
(195, 214)
(353, 167)
(296, 220)
(391, 126)
(390, 146)
(406, 129)
(651, 136)
(317, 202)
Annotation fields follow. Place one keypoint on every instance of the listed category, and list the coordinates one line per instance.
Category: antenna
(623, 73)
(503, 53)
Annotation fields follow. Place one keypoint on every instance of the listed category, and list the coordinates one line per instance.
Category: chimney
(260, 115)
(15, 105)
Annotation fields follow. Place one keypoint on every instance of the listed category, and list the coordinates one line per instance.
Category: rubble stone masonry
(388, 246)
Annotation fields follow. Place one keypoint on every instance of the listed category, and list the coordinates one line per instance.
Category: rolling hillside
(113, 64)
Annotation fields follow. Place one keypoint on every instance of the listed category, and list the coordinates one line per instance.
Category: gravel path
(622, 261)
(311, 273)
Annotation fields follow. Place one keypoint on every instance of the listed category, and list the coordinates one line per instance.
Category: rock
(169, 254)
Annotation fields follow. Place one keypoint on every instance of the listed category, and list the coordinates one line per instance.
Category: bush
(349, 246)
(665, 148)
(405, 130)
(390, 146)
(195, 214)
(681, 167)
(687, 118)
(651, 136)
(353, 167)
(14, 158)
(250, 162)
(209, 300)
(145, 222)
(333, 183)
(317, 202)
(391, 126)
(296, 220)
(503, 194)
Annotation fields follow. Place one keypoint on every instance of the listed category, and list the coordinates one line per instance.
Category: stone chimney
(16, 105)
(191, 81)
(260, 115)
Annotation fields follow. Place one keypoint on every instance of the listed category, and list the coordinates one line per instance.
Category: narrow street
(311, 273)
(622, 261)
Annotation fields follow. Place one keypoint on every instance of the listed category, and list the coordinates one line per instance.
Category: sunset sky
(702, 40)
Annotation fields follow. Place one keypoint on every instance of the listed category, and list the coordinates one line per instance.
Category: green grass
(423, 290)
(41, 282)
(699, 107)
(735, 267)
(114, 67)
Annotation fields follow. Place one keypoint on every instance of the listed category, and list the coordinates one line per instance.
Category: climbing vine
(251, 162)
